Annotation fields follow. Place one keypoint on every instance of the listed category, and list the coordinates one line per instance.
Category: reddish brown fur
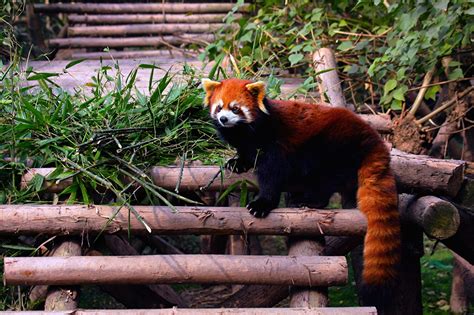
(297, 123)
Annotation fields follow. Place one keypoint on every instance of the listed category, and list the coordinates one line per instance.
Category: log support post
(64, 298)
(307, 297)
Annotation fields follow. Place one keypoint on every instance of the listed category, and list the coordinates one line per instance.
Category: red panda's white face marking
(234, 101)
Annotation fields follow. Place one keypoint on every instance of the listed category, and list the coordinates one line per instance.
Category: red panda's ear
(258, 89)
(209, 87)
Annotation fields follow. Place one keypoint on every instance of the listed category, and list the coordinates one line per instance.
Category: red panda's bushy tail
(378, 200)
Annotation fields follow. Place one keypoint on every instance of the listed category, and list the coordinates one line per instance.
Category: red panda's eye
(235, 110)
(219, 108)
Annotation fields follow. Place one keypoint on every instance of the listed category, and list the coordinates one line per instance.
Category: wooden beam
(163, 294)
(135, 29)
(79, 219)
(153, 41)
(173, 269)
(414, 174)
(133, 54)
(147, 18)
(228, 311)
(121, 8)
(422, 174)
(437, 217)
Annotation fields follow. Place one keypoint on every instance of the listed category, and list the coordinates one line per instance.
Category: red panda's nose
(223, 119)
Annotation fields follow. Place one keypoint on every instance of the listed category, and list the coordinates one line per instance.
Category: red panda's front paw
(236, 165)
(260, 207)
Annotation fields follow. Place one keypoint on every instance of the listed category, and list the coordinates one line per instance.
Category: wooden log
(422, 174)
(121, 8)
(79, 219)
(146, 18)
(304, 296)
(131, 54)
(153, 41)
(437, 217)
(414, 173)
(64, 298)
(124, 30)
(220, 311)
(380, 122)
(134, 296)
(164, 294)
(329, 83)
(165, 269)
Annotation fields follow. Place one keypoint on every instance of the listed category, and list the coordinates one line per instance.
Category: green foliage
(98, 138)
(386, 47)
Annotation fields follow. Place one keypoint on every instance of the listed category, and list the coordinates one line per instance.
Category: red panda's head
(234, 101)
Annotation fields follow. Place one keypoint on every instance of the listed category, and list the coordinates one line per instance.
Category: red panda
(317, 147)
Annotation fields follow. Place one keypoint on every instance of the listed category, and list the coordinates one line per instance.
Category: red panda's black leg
(272, 170)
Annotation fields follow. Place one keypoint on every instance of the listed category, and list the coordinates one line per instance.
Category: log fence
(95, 26)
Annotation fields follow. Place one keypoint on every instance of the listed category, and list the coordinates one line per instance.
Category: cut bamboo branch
(121, 8)
(147, 18)
(228, 311)
(421, 93)
(64, 298)
(124, 30)
(166, 269)
(101, 42)
(78, 219)
(437, 217)
(324, 62)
